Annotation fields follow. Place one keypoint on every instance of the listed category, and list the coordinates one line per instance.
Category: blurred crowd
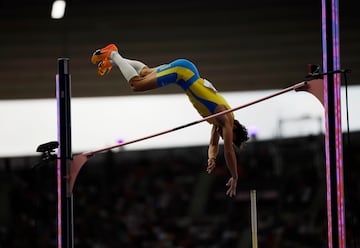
(165, 199)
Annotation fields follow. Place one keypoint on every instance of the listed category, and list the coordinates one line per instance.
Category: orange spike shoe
(103, 53)
(104, 67)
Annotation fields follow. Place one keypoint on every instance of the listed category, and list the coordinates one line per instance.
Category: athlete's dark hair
(241, 134)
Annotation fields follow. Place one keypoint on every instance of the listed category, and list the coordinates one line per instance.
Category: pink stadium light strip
(339, 150)
(58, 171)
(327, 149)
(338, 128)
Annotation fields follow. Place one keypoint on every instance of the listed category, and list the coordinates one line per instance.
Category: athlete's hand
(232, 183)
(211, 165)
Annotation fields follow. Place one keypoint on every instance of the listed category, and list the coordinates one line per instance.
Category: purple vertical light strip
(338, 126)
(337, 119)
(58, 169)
(327, 142)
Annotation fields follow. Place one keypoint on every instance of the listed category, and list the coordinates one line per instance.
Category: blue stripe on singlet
(166, 79)
(186, 84)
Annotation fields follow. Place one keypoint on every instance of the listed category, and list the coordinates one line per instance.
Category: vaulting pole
(333, 135)
(64, 195)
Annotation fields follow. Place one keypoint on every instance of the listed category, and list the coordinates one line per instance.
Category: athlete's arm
(229, 153)
(213, 149)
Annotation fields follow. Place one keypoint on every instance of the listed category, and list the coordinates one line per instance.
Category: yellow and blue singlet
(201, 92)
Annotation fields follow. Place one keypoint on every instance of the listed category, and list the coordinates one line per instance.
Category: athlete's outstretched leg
(139, 76)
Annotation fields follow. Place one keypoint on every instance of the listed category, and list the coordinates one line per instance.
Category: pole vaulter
(314, 86)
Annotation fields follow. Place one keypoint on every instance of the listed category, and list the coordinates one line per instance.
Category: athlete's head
(240, 134)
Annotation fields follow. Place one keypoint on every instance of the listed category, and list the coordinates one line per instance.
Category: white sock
(138, 65)
(126, 69)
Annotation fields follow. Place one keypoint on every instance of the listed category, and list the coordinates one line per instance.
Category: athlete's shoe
(104, 67)
(103, 54)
